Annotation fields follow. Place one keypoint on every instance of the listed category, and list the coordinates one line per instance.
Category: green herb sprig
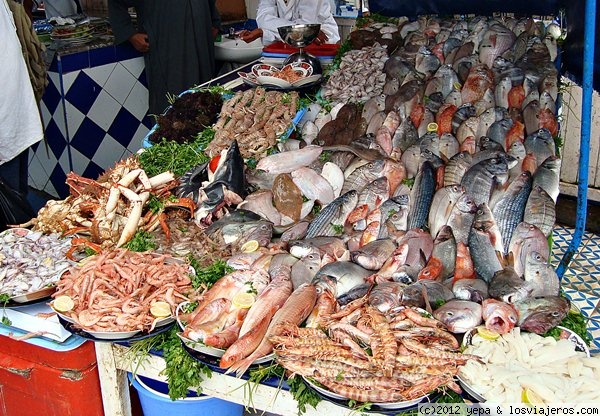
(4, 299)
(141, 241)
(303, 394)
(207, 276)
(576, 322)
(169, 156)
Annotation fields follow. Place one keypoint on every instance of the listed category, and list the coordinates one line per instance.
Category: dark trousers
(15, 172)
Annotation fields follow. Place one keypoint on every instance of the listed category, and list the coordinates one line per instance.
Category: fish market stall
(338, 237)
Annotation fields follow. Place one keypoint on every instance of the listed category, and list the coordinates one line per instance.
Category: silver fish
(459, 316)
(456, 168)
(475, 290)
(421, 196)
(541, 144)
(386, 295)
(333, 216)
(507, 286)
(363, 175)
(480, 179)
(541, 276)
(444, 249)
(441, 206)
(461, 218)
(344, 279)
(527, 238)
(547, 176)
(373, 255)
(436, 292)
(484, 241)
(540, 210)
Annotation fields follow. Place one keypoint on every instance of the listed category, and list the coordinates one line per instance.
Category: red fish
(443, 118)
(516, 96)
(468, 145)
(499, 317)
(416, 115)
(547, 119)
(516, 132)
(464, 268)
(432, 270)
(479, 80)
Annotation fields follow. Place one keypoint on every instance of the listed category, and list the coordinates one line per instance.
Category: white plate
(278, 82)
(62, 315)
(35, 295)
(307, 80)
(468, 338)
(248, 78)
(112, 335)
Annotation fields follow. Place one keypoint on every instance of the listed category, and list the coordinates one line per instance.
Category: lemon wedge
(487, 334)
(432, 127)
(457, 86)
(160, 309)
(249, 246)
(63, 303)
(528, 396)
(243, 300)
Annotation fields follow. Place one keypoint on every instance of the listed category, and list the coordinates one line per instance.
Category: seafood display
(361, 354)
(115, 291)
(520, 365)
(255, 118)
(31, 261)
(188, 114)
(107, 212)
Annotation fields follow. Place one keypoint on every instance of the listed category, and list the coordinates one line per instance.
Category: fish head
(538, 315)
(324, 283)
(231, 172)
(499, 316)
(386, 295)
(191, 182)
(459, 316)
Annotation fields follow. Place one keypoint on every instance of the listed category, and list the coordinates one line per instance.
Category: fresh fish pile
(30, 261)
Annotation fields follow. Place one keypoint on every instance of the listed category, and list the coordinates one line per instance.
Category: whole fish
(475, 290)
(459, 316)
(421, 196)
(461, 218)
(293, 312)
(541, 276)
(499, 130)
(547, 176)
(386, 295)
(363, 175)
(508, 206)
(373, 255)
(527, 238)
(539, 315)
(344, 279)
(443, 201)
(394, 216)
(259, 316)
(287, 162)
(499, 317)
(238, 234)
(304, 270)
(541, 144)
(463, 268)
(333, 247)
(464, 112)
(330, 221)
(313, 185)
(420, 245)
(481, 178)
(436, 292)
(405, 136)
(484, 241)
(444, 249)
(456, 168)
(507, 286)
(496, 40)
(269, 206)
(375, 193)
(540, 210)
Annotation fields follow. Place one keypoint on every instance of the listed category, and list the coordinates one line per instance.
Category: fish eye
(555, 314)
(494, 161)
(513, 319)
(450, 313)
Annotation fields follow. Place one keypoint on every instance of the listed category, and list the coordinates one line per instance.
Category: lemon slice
(160, 309)
(457, 86)
(487, 334)
(432, 127)
(528, 396)
(249, 246)
(63, 303)
(243, 300)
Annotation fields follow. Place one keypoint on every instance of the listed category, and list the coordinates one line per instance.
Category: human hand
(250, 35)
(140, 42)
(321, 38)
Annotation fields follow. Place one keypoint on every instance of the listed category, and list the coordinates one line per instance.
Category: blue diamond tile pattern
(52, 96)
(87, 138)
(124, 127)
(83, 92)
(56, 140)
(57, 178)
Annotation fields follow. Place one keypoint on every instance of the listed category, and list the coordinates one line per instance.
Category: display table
(113, 368)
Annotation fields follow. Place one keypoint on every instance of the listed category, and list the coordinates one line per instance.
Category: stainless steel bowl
(299, 35)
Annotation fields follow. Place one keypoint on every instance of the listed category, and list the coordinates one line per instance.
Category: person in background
(272, 14)
(176, 38)
(61, 8)
(19, 114)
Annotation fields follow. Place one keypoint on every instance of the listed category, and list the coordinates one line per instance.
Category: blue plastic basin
(155, 401)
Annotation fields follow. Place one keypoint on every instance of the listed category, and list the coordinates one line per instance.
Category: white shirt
(20, 121)
(272, 14)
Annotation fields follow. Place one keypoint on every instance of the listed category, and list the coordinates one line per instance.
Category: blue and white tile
(119, 83)
(83, 92)
(45, 113)
(38, 177)
(79, 161)
(585, 302)
(100, 73)
(109, 152)
(104, 110)
(74, 118)
(68, 80)
(54, 78)
(124, 127)
(135, 66)
(136, 142)
(137, 101)
(87, 138)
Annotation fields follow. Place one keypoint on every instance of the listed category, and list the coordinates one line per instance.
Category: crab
(110, 210)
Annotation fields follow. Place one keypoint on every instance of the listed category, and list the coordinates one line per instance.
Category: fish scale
(481, 178)
(334, 214)
(483, 240)
(509, 208)
(421, 196)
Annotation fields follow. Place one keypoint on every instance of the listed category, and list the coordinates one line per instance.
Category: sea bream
(459, 316)
(345, 280)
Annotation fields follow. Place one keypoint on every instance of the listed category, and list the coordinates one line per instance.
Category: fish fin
(501, 259)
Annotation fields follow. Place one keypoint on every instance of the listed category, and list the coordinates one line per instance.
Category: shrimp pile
(255, 118)
(114, 291)
(363, 355)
